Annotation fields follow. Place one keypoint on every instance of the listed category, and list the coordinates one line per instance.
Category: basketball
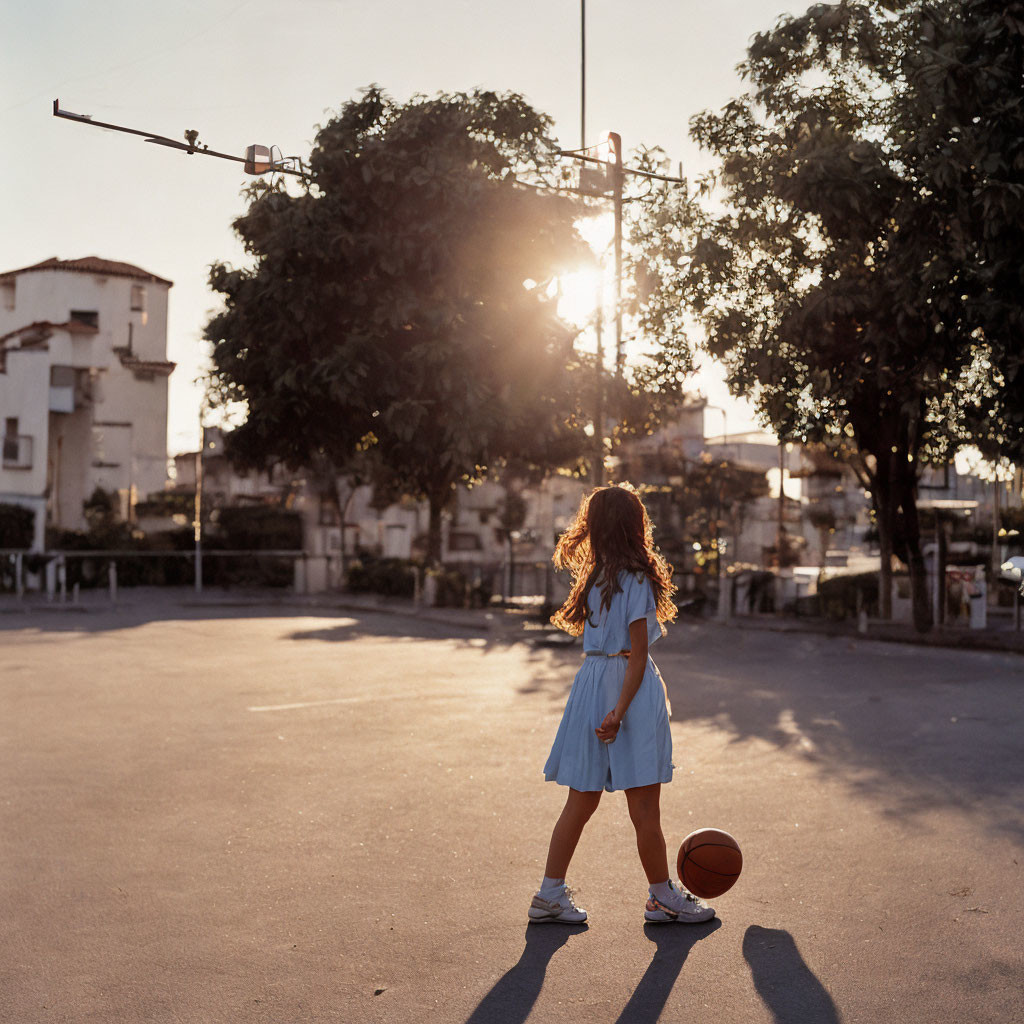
(709, 862)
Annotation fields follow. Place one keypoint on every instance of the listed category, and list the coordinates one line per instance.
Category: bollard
(62, 579)
(112, 580)
(19, 582)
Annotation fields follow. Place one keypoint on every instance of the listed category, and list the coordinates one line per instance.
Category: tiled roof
(91, 265)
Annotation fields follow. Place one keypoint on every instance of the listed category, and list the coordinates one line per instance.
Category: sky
(261, 71)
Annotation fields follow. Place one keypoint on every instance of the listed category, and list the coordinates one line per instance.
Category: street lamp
(257, 159)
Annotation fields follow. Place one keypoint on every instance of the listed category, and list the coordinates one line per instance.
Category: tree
(694, 501)
(399, 304)
(822, 280)
(962, 118)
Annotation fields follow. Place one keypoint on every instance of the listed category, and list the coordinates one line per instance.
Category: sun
(579, 295)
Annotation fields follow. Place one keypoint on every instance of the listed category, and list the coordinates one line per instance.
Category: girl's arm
(635, 668)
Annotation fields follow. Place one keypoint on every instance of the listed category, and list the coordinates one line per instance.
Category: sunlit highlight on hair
(611, 533)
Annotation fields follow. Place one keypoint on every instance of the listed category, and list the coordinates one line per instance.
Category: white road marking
(307, 704)
(358, 700)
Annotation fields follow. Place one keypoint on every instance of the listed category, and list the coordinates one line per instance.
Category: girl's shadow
(783, 980)
(513, 996)
(674, 942)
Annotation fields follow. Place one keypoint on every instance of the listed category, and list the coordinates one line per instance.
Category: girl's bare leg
(579, 806)
(644, 804)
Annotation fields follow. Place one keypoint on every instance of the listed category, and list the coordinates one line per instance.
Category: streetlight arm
(162, 140)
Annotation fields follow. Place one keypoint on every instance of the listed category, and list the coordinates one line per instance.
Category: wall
(118, 441)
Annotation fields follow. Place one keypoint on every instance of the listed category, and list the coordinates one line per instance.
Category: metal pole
(599, 385)
(199, 505)
(583, 74)
(618, 180)
(995, 528)
(131, 474)
(782, 500)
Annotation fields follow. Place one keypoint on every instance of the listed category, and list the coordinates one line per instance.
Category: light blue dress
(641, 753)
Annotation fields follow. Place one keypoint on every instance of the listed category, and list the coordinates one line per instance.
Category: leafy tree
(823, 279)
(961, 117)
(692, 500)
(389, 305)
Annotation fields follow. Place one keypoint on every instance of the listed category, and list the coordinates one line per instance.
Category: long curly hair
(611, 533)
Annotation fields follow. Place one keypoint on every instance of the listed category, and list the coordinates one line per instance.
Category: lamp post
(198, 521)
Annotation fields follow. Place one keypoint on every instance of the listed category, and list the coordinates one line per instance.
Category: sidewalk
(890, 632)
(98, 602)
(510, 621)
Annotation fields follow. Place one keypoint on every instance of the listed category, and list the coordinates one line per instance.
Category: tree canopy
(398, 305)
(820, 253)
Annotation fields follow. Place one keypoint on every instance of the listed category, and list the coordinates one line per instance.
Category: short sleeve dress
(641, 753)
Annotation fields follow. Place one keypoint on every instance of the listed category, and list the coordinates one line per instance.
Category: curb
(1008, 643)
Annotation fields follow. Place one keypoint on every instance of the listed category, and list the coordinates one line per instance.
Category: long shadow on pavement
(513, 995)
(673, 947)
(783, 980)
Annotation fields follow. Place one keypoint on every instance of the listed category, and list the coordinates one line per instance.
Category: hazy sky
(247, 71)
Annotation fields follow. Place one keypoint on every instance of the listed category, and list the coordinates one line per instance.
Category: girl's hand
(609, 728)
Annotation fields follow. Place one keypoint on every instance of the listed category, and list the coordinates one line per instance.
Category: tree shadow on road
(674, 943)
(513, 995)
(783, 980)
(914, 729)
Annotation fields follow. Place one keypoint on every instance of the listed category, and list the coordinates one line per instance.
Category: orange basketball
(709, 862)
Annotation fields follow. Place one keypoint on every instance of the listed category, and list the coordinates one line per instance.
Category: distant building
(224, 486)
(83, 386)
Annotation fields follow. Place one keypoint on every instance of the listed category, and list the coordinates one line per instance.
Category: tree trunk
(885, 569)
(436, 501)
(921, 605)
(885, 520)
(434, 534)
(344, 492)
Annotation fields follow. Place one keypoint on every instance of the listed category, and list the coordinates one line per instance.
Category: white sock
(551, 887)
(663, 890)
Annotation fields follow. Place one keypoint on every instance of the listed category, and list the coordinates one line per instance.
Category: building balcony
(17, 451)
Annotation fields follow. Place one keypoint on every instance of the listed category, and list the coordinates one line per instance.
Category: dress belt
(603, 654)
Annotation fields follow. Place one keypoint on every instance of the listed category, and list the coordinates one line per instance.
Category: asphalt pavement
(293, 814)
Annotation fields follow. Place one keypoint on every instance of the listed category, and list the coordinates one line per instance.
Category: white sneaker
(562, 909)
(682, 906)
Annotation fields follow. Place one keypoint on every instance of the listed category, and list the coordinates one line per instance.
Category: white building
(83, 386)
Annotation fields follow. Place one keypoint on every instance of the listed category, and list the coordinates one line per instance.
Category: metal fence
(62, 574)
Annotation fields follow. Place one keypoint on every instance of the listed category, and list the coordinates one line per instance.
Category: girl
(614, 732)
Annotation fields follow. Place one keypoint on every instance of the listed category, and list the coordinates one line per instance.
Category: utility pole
(607, 180)
(198, 524)
(583, 73)
(617, 179)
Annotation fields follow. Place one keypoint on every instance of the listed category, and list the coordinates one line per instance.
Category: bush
(393, 577)
(17, 526)
(839, 599)
(260, 528)
(452, 588)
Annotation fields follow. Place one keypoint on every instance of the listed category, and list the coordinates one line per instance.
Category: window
(17, 451)
(138, 298)
(89, 317)
(7, 290)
